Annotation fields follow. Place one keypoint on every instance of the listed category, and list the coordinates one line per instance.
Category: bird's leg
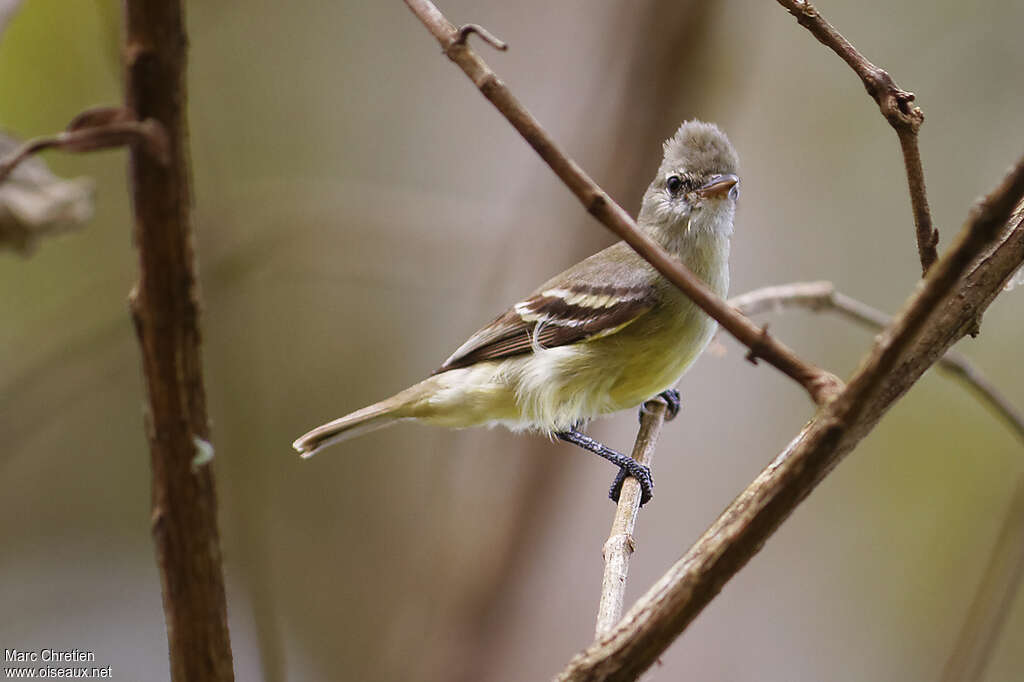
(671, 398)
(627, 465)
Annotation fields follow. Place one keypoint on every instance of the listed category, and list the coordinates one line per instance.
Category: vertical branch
(619, 546)
(165, 309)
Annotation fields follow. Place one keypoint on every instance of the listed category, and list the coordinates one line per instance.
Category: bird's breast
(666, 342)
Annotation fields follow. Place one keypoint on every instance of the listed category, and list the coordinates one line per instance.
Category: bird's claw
(642, 474)
(672, 404)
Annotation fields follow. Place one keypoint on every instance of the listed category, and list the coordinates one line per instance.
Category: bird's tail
(455, 398)
(370, 418)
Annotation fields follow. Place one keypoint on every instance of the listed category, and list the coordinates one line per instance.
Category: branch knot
(597, 203)
(759, 346)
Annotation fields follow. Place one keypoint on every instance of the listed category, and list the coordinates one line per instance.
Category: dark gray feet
(671, 398)
(627, 465)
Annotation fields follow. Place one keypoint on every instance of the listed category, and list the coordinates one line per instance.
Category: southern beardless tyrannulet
(605, 335)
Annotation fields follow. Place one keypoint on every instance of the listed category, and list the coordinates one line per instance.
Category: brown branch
(1001, 581)
(822, 296)
(895, 104)
(821, 385)
(620, 545)
(941, 312)
(165, 306)
(991, 606)
(92, 137)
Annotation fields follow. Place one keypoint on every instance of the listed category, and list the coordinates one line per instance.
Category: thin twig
(896, 106)
(957, 289)
(991, 606)
(822, 296)
(485, 35)
(821, 385)
(165, 308)
(92, 138)
(620, 545)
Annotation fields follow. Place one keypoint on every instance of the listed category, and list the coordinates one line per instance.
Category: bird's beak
(718, 186)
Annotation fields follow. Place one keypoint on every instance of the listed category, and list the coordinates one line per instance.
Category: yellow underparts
(553, 389)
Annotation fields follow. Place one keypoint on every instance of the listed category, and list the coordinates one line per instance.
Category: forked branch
(92, 130)
(823, 297)
(896, 105)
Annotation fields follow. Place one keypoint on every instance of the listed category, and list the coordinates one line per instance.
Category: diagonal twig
(820, 384)
(822, 296)
(896, 106)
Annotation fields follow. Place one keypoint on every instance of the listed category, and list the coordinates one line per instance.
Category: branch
(1001, 581)
(620, 545)
(991, 606)
(943, 310)
(821, 385)
(822, 296)
(895, 104)
(165, 307)
(90, 131)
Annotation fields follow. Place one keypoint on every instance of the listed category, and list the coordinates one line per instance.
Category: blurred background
(360, 209)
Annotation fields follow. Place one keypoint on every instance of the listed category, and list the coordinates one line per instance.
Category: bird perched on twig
(607, 334)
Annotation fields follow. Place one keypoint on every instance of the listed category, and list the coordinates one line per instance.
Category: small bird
(605, 335)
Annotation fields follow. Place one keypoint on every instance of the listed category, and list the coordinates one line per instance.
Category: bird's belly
(656, 366)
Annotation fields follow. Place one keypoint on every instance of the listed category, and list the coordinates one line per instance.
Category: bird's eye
(673, 184)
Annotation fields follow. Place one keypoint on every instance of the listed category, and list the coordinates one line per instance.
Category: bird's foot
(627, 465)
(642, 474)
(672, 403)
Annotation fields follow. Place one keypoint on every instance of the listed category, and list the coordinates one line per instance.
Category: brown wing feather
(554, 317)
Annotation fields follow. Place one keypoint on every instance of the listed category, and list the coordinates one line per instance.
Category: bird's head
(696, 188)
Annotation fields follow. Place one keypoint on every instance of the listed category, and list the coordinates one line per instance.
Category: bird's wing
(570, 308)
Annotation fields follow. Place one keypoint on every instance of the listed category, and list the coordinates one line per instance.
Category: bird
(605, 335)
